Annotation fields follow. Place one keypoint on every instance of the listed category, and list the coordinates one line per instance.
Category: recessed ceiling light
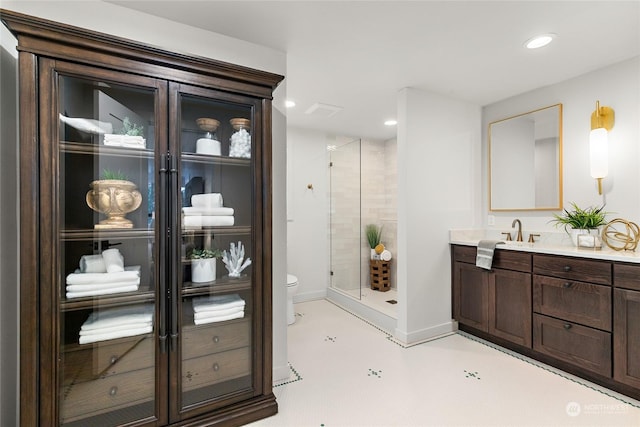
(539, 41)
(391, 122)
(289, 104)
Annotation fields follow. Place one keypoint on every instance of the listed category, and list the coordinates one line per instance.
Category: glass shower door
(346, 227)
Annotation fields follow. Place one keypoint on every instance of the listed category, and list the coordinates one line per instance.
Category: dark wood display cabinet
(121, 182)
(581, 315)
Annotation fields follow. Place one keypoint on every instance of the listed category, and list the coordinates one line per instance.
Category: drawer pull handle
(566, 285)
(113, 391)
(113, 360)
(216, 367)
(567, 268)
(567, 326)
(216, 339)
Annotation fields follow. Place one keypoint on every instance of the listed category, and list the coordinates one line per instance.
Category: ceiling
(358, 54)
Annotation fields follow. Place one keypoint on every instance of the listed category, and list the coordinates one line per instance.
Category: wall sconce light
(601, 123)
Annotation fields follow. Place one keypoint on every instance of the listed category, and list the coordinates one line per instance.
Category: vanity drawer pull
(113, 360)
(216, 339)
(567, 268)
(113, 391)
(216, 367)
(567, 325)
(566, 285)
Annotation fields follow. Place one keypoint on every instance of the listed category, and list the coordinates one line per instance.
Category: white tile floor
(347, 372)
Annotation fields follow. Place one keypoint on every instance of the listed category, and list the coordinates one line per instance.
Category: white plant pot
(203, 270)
(575, 232)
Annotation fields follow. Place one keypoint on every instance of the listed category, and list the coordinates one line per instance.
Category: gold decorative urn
(115, 198)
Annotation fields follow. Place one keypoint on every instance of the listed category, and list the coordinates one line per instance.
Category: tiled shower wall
(378, 201)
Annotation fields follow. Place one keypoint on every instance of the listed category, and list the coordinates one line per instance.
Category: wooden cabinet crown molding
(35, 35)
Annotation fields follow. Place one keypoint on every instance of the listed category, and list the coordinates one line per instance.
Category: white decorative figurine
(233, 260)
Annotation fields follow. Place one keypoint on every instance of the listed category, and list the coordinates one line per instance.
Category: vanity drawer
(505, 259)
(578, 302)
(581, 346)
(92, 361)
(626, 276)
(91, 398)
(585, 270)
(214, 337)
(212, 369)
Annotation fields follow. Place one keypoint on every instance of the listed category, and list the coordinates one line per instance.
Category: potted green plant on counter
(373, 234)
(203, 264)
(578, 221)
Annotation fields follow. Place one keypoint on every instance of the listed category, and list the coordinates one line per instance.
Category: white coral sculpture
(233, 260)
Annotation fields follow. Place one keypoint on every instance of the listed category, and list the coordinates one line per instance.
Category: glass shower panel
(346, 227)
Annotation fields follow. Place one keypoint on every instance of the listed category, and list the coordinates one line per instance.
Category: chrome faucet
(519, 234)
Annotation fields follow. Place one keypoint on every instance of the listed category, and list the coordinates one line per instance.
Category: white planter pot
(575, 232)
(203, 270)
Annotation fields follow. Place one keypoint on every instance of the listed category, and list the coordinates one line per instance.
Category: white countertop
(547, 243)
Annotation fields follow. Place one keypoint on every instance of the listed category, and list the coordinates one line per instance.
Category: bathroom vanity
(573, 309)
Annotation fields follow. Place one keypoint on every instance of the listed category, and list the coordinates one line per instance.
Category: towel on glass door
(484, 254)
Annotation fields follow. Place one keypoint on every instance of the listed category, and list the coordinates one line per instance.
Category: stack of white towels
(207, 210)
(217, 308)
(102, 274)
(128, 141)
(118, 322)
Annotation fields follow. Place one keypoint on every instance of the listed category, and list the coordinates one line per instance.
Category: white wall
(616, 86)
(308, 211)
(438, 189)
(168, 35)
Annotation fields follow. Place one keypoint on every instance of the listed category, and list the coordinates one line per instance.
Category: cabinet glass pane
(107, 253)
(216, 211)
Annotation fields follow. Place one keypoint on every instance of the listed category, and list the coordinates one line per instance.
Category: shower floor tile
(345, 372)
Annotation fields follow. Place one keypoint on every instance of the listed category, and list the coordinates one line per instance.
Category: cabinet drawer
(213, 338)
(585, 270)
(91, 398)
(626, 276)
(508, 260)
(578, 302)
(107, 358)
(212, 369)
(581, 346)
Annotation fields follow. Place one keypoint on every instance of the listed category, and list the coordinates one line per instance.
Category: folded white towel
(217, 302)
(116, 328)
(113, 260)
(239, 315)
(139, 313)
(484, 253)
(207, 200)
(191, 211)
(129, 141)
(86, 339)
(95, 278)
(217, 313)
(92, 264)
(100, 286)
(97, 292)
(198, 221)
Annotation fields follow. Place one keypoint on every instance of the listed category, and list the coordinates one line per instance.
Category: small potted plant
(373, 234)
(115, 196)
(580, 221)
(203, 264)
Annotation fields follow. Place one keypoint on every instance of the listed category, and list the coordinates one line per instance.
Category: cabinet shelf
(93, 149)
(215, 160)
(81, 235)
(226, 231)
(113, 300)
(220, 286)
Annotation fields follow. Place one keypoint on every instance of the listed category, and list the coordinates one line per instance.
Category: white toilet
(292, 288)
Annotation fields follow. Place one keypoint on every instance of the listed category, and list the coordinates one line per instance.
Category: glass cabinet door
(109, 276)
(214, 323)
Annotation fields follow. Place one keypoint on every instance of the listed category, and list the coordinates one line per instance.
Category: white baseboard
(426, 334)
(281, 373)
(309, 296)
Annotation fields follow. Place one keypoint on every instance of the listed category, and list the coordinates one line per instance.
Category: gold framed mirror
(525, 161)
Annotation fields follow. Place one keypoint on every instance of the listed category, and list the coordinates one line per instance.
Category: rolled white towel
(92, 264)
(385, 255)
(113, 260)
(207, 200)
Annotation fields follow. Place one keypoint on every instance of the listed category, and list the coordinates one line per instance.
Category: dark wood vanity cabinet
(583, 313)
(116, 325)
(497, 301)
